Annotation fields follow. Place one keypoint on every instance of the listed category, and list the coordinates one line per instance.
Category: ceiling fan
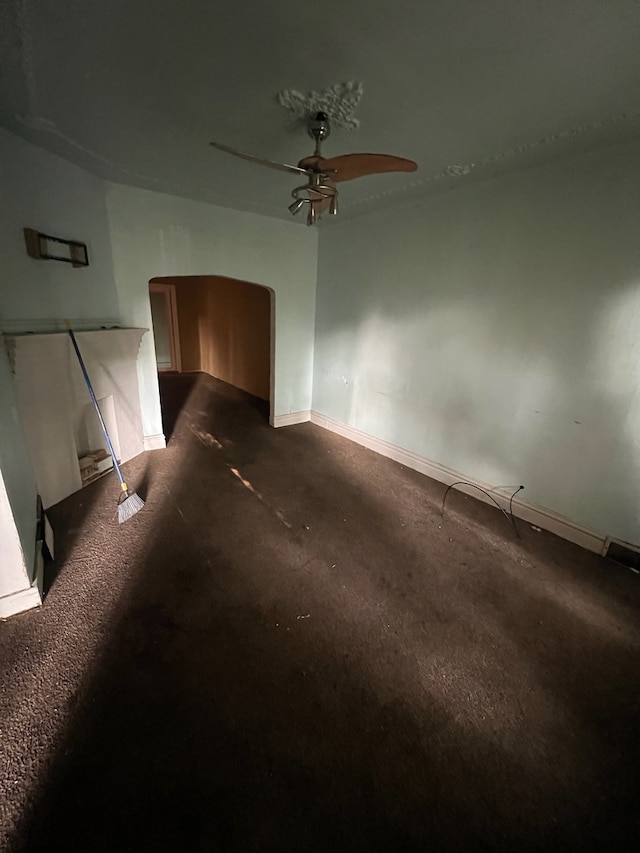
(320, 193)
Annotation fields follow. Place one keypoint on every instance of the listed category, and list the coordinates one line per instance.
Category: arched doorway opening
(216, 325)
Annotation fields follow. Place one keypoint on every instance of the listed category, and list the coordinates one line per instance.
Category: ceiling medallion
(339, 101)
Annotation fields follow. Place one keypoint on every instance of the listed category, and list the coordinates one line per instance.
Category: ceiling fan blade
(283, 167)
(350, 166)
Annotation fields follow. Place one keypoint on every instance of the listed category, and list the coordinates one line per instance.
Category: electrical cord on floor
(513, 520)
(507, 515)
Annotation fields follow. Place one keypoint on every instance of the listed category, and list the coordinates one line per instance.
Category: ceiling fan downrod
(319, 129)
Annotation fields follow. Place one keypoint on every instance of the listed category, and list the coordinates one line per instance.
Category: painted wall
(155, 235)
(14, 576)
(495, 329)
(41, 191)
(225, 330)
(17, 493)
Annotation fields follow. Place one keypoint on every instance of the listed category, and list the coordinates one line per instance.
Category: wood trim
(175, 330)
(290, 419)
(169, 291)
(154, 442)
(25, 599)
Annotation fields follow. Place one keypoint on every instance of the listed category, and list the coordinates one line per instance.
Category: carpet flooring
(289, 649)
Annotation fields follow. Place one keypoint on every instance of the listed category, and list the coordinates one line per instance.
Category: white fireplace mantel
(59, 421)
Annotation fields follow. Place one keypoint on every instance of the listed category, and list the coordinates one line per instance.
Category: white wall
(17, 493)
(14, 576)
(161, 235)
(495, 329)
(41, 191)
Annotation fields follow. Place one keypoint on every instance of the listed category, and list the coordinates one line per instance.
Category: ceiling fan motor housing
(319, 127)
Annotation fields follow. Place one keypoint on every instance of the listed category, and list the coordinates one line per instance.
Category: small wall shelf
(45, 247)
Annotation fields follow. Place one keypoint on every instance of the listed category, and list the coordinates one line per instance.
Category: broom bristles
(132, 504)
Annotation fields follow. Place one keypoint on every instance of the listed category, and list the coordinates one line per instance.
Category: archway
(216, 325)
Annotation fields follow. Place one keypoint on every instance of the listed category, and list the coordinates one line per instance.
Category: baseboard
(538, 516)
(290, 419)
(20, 601)
(25, 599)
(154, 442)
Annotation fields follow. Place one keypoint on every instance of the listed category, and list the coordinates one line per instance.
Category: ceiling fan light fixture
(320, 192)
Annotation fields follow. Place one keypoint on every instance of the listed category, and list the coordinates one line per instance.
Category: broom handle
(97, 407)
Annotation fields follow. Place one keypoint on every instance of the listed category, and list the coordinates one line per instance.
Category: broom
(129, 503)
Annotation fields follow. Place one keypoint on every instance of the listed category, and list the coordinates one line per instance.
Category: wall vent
(624, 554)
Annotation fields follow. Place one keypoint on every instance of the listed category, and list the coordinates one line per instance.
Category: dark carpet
(288, 649)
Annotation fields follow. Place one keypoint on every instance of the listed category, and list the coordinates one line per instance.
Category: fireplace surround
(61, 428)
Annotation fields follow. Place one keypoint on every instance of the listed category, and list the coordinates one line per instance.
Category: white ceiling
(133, 90)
